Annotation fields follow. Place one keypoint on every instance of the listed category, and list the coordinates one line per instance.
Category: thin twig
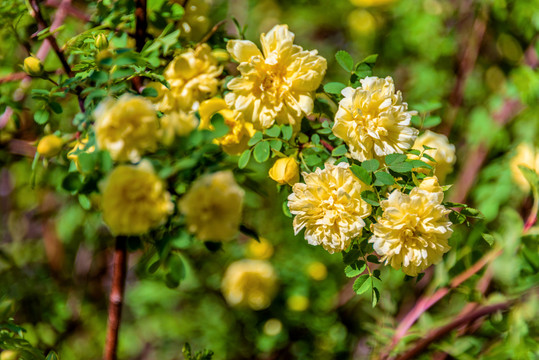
(116, 297)
(212, 31)
(443, 331)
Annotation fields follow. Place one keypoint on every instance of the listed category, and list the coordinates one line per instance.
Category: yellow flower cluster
(240, 132)
(276, 84)
(413, 231)
(251, 283)
(127, 127)
(373, 120)
(176, 123)
(134, 200)
(213, 207)
(193, 77)
(443, 153)
(329, 206)
(526, 156)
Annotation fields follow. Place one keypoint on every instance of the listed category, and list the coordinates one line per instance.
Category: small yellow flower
(49, 145)
(213, 207)
(329, 207)
(193, 77)
(176, 123)
(261, 250)
(413, 231)
(80, 145)
(33, 66)
(127, 127)
(443, 153)
(276, 84)
(373, 120)
(251, 283)
(366, 3)
(134, 200)
(317, 271)
(235, 142)
(285, 171)
(527, 156)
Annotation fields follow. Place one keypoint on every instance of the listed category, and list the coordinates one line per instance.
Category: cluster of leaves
(12, 342)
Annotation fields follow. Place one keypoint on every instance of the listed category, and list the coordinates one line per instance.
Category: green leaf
(370, 165)
(339, 150)
(350, 256)
(371, 59)
(287, 132)
(244, 159)
(345, 60)
(334, 88)
(84, 202)
(286, 210)
(213, 246)
(149, 92)
(249, 232)
(72, 182)
(383, 178)
(273, 131)
(432, 121)
(351, 271)
(428, 106)
(363, 70)
(261, 151)
(370, 198)
(276, 144)
(41, 117)
(375, 296)
(402, 167)
(488, 238)
(395, 158)
(373, 259)
(362, 284)
(57, 108)
(52, 356)
(362, 174)
(219, 125)
(255, 139)
(471, 212)
(456, 218)
(87, 161)
(418, 164)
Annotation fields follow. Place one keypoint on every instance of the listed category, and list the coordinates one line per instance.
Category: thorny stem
(116, 298)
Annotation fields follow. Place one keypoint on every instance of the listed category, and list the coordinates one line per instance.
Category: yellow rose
(329, 206)
(443, 153)
(9, 355)
(192, 76)
(49, 145)
(259, 249)
(213, 207)
(373, 121)
(277, 84)
(235, 142)
(251, 283)
(298, 303)
(80, 146)
(127, 127)
(317, 271)
(176, 123)
(285, 171)
(33, 66)
(526, 156)
(134, 200)
(413, 231)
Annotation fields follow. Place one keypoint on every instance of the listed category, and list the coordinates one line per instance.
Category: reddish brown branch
(42, 24)
(443, 331)
(116, 298)
(141, 24)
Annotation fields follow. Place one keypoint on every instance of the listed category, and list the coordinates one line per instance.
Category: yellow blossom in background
(195, 22)
(373, 120)
(366, 3)
(127, 127)
(251, 283)
(261, 250)
(443, 152)
(526, 156)
(329, 206)
(235, 142)
(80, 146)
(273, 327)
(192, 76)
(285, 171)
(134, 200)
(49, 145)
(213, 207)
(361, 22)
(176, 123)
(317, 271)
(276, 84)
(413, 231)
(298, 303)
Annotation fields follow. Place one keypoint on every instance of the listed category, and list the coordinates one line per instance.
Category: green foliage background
(55, 253)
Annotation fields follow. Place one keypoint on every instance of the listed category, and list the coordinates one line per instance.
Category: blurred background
(473, 63)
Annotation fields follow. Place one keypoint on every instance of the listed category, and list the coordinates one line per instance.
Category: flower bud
(220, 54)
(49, 146)
(33, 66)
(285, 171)
(101, 42)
